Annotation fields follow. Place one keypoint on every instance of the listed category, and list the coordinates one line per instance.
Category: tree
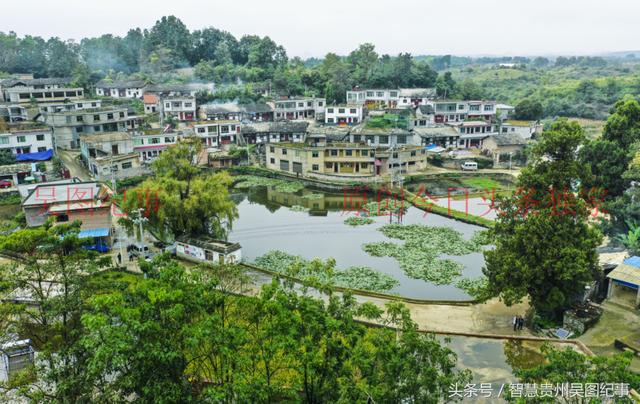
(179, 200)
(623, 125)
(569, 366)
(362, 62)
(545, 249)
(528, 109)
(605, 162)
(54, 273)
(6, 157)
(170, 33)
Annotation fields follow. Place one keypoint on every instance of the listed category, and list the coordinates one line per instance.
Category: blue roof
(633, 261)
(99, 232)
(430, 146)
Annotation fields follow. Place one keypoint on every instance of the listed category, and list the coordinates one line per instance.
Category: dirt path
(72, 164)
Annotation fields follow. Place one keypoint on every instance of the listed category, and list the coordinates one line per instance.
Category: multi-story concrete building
(110, 155)
(343, 114)
(400, 160)
(69, 106)
(299, 108)
(23, 138)
(391, 98)
(380, 137)
(217, 134)
(275, 132)
(149, 144)
(166, 90)
(252, 112)
(459, 111)
(443, 136)
(25, 95)
(179, 106)
(69, 125)
(324, 159)
(30, 82)
(526, 129)
(120, 89)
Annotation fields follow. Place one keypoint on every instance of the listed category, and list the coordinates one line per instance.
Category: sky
(314, 28)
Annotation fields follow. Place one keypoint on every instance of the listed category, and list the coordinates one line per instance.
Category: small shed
(209, 250)
(624, 282)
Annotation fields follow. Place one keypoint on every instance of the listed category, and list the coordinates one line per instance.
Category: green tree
(623, 125)
(545, 249)
(54, 274)
(180, 200)
(529, 109)
(605, 162)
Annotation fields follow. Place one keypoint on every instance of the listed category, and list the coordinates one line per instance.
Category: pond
(267, 223)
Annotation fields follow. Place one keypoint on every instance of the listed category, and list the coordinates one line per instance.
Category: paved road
(69, 158)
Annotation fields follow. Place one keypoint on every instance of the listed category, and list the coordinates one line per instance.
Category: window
(126, 165)
(384, 139)
(395, 155)
(315, 167)
(348, 152)
(42, 149)
(369, 93)
(93, 104)
(301, 104)
(460, 106)
(79, 129)
(169, 139)
(380, 94)
(40, 138)
(21, 139)
(488, 108)
(109, 116)
(4, 140)
(364, 165)
(413, 153)
(138, 142)
(121, 114)
(329, 120)
(352, 111)
(315, 154)
(95, 128)
(309, 103)
(96, 117)
(356, 138)
(224, 129)
(330, 110)
(341, 110)
(364, 153)
(402, 139)
(284, 152)
(78, 106)
(272, 160)
(334, 152)
(474, 107)
(284, 165)
(154, 140)
(320, 103)
(393, 94)
(188, 104)
(79, 118)
(272, 149)
(167, 105)
(201, 130)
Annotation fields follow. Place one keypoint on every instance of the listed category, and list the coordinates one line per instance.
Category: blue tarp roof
(430, 146)
(40, 156)
(99, 232)
(633, 261)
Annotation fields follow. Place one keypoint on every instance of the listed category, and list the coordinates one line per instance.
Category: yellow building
(328, 159)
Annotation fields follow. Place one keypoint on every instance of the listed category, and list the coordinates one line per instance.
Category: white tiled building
(343, 114)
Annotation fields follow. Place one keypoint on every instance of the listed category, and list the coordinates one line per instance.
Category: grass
(424, 204)
(481, 183)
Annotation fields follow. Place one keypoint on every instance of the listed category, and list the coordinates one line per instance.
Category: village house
(69, 125)
(120, 89)
(11, 112)
(299, 108)
(526, 129)
(16, 173)
(343, 114)
(24, 139)
(328, 159)
(390, 98)
(624, 283)
(181, 107)
(26, 95)
(274, 132)
(89, 202)
(216, 135)
(151, 103)
(208, 250)
(442, 136)
(69, 106)
(423, 117)
(503, 144)
(110, 155)
(460, 111)
(504, 111)
(400, 160)
(31, 83)
(380, 137)
(150, 143)
(170, 90)
(251, 112)
(473, 132)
